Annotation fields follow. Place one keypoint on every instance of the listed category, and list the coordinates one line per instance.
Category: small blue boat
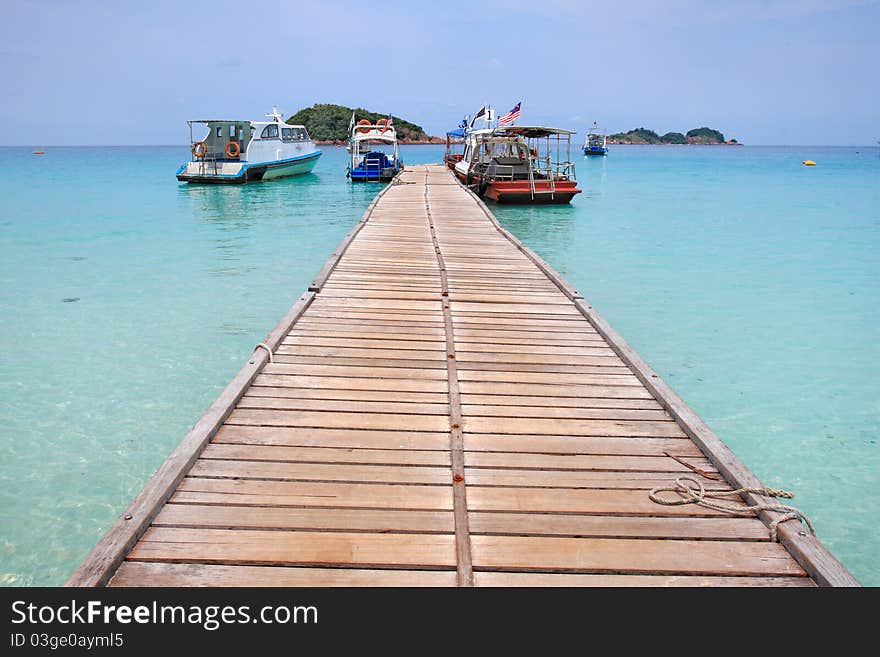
(374, 153)
(595, 144)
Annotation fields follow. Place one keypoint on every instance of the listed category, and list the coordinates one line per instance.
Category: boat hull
(595, 151)
(519, 192)
(385, 175)
(253, 171)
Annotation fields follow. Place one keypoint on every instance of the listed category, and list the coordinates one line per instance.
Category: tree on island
(673, 138)
(328, 122)
(704, 136)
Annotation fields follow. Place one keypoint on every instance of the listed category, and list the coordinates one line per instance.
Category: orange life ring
(363, 122)
(232, 146)
(385, 125)
(199, 149)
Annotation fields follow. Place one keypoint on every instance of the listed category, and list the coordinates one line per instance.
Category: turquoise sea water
(748, 281)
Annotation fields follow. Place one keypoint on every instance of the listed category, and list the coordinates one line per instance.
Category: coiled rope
(691, 491)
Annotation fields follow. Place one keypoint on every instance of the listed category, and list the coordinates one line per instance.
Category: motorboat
(373, 151)
(596, 141)
(248, 151)
(517, 164)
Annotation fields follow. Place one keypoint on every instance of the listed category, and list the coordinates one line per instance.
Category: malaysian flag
(388, 121)
(511, 116)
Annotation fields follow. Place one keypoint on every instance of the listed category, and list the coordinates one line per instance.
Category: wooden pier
(442, 409)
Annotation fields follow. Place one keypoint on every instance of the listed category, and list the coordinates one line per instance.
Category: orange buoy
(199, 149)
(39, 152)
(232, 149)
(809, 163)
(363, 126)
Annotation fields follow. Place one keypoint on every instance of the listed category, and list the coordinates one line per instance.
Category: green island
(328, 124)
(695, 136)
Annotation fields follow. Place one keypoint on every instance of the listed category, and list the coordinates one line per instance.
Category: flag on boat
(480, 112)
(351, 123)
(388, 121)
(511, 116)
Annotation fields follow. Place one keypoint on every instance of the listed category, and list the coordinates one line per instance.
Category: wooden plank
(355, 372)
(585, 390)
(246, 492)
(556, 402)
(349, 395)
(570, 579)
(246, 517)
(570, 500)
(544, 524)
(351, 406)
(351, 383)
(338, 420)
(379, 473)
(564, 412)
(579, 479)
(147, 573)
(250, 452)
(532, 444)
(283, 548)
(632, 556)
(653, 429)
(343, 438)
(578, 460)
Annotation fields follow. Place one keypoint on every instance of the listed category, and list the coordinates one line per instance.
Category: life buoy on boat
(384, 124)
(199, 149)
(363, 126)
(232, 149)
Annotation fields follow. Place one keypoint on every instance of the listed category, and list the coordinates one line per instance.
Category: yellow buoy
(809, 163)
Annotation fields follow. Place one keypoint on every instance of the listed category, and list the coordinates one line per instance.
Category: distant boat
(39, 152)
(596, 141)
(455, 140)
(248, 151)
(373, 150)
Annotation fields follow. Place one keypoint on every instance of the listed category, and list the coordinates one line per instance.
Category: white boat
(375, 156)
(248, 151)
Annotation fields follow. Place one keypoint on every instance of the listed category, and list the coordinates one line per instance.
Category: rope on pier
(263, 345)
(692, 492)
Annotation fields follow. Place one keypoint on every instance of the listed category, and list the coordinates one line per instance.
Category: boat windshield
(294, 134)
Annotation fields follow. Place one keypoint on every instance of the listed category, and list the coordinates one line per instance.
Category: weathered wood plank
(633, 556)
(134, 573)
(283, 547)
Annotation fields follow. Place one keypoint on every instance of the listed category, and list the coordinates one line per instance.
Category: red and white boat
(519, 164)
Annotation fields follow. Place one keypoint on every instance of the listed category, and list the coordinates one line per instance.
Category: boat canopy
(375, 134)
(533, 131)
(459, 132)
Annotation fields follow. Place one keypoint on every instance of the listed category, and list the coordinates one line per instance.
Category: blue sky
(763, 71)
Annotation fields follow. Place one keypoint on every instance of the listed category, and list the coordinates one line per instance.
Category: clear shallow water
(747, 280)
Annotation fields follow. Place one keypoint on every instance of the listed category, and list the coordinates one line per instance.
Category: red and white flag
(511, 116)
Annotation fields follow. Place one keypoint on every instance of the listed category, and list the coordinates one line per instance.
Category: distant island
(696, 136)
(328, 124)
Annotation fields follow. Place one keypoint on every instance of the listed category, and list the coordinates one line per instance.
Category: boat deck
(442, 409)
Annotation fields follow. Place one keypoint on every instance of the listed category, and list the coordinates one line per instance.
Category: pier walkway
(441, 408)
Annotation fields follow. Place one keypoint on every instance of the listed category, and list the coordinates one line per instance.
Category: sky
(79, 72)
